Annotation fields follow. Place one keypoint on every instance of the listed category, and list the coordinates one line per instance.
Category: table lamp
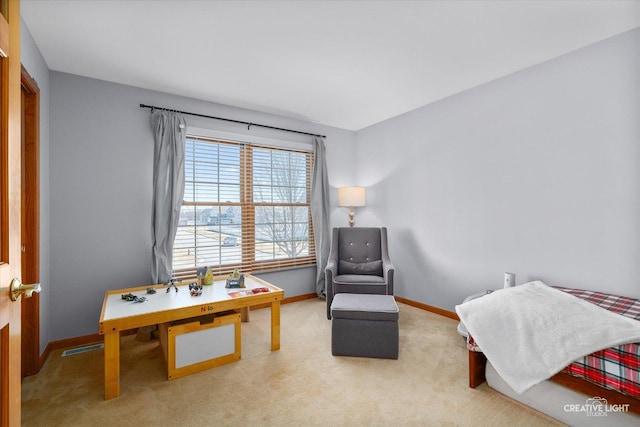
(351, 197)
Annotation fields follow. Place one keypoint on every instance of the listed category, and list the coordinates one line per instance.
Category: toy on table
(132, 297)
(151, 290)
(200, 273)
(235, 280)
(172, 282)
(208, 277)
(195, 289)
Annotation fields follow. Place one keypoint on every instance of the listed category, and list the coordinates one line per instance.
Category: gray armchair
(358, 263)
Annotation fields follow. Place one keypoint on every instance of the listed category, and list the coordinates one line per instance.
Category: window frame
(248, 206)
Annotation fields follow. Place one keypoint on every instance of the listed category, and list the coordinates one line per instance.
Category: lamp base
(352, 221)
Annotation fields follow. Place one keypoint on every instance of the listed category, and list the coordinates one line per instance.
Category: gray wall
(536, 173)
(101, 171)
(36, 66)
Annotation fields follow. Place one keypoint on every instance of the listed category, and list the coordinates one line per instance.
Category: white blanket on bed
(532, 331)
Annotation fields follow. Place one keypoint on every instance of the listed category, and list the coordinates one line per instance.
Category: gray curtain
(169, 131)
(320, 213)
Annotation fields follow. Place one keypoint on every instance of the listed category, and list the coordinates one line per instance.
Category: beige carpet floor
(302, 384)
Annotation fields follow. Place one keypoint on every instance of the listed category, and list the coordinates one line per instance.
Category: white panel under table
(194, 346)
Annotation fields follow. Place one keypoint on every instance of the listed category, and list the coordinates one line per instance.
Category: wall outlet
(509, 280)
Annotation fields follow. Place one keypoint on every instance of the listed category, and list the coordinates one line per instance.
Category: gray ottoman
(364, 325)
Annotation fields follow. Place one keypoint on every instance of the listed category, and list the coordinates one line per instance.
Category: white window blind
(245, 207)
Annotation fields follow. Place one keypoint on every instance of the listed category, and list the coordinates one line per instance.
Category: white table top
(116, 307)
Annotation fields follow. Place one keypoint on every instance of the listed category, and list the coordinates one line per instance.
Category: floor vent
(82, 349)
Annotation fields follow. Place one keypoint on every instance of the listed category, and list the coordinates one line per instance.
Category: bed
(597, 384)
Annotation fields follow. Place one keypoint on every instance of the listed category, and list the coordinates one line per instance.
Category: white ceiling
(348, 64)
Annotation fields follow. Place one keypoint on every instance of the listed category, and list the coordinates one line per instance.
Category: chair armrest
(388, 271)
(330, 271)
(332, 266)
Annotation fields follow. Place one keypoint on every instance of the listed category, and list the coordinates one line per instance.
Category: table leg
(244, 314)
(275, 325)
(111, 365)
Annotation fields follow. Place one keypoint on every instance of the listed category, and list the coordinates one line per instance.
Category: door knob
(17, 288)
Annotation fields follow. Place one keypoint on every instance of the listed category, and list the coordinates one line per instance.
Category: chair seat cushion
(358, 279)
(364, 307)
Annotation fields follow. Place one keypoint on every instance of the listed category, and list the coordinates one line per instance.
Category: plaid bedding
(615, 368)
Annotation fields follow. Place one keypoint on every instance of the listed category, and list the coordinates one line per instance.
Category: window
(245, 206)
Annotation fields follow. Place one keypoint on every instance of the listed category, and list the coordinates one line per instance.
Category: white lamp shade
(351, 196)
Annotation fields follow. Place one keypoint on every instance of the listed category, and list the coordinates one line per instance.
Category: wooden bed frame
(478, 363)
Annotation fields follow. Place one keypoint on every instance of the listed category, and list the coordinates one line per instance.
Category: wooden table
(120, 315)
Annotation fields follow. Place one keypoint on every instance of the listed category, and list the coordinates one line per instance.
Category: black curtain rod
(249, 124)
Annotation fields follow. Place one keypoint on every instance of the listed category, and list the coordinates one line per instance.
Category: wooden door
(10, 204)
(31, 362)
